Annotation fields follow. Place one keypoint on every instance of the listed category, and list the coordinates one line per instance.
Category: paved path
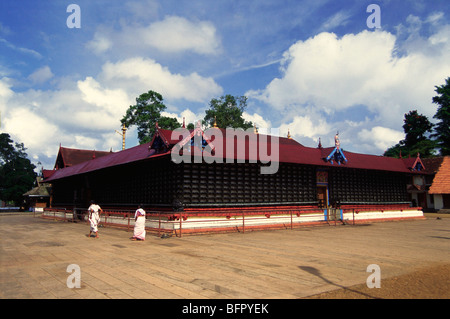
(295, 263)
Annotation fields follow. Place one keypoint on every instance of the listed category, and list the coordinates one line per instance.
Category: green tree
(227, 111)
(17, 174)
(146, 113)
(168, 123)
(416, 127)
(442, 128)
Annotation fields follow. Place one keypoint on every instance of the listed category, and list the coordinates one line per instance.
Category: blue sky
(310, 67)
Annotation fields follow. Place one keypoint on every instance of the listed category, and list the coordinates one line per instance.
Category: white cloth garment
(94, 217)
(139, 225)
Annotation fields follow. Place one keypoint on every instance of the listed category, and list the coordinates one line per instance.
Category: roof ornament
(124, 130)
(337, 154)
(289, 135)
(418, 164)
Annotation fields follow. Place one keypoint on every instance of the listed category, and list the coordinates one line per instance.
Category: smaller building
(440, 187)
(38, 198)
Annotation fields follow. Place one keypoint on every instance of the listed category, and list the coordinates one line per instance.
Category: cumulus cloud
(187, 115)
(41, 75)
(138, 75)
(306, 128)
(175, 34)
(85, 113)
(331, 74)
(337, 73)
(31, 129)
(99, 44)
(257, 120)
(381, 137)
(172, 35)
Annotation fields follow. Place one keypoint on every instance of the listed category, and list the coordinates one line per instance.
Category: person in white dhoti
(139, 224)
(94, 218)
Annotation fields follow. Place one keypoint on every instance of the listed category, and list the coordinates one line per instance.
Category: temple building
(223, 170)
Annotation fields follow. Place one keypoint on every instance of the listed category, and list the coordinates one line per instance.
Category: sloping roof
(70, 156)
(414, 163)
(40, 191)
(441, 182)
(46, 173)
(132, 154)
(432, 164)
(290, 151)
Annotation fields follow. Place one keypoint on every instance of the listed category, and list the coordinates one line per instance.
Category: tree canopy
(146, 113)
(442, 127)
(416, 127)
(422, 136)
(17, 174)
(226, 111)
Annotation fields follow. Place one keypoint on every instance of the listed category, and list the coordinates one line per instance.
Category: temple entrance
(322, 196)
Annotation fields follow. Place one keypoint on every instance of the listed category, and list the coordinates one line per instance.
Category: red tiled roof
(290, 151)
(132, 154)
(441, 182)
(432, 164)
(71, 156)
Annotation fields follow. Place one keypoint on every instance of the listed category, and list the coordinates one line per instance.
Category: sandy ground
(427, 283)
(325, 262)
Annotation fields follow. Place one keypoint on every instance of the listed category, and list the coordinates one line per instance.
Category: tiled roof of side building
(441, 182)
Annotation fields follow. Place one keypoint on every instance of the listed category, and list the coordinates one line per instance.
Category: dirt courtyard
(431, 282)
(325, 262)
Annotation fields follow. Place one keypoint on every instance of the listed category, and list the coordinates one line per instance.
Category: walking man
(94, 218)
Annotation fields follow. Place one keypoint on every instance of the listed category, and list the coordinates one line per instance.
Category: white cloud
(5, 91)
(138, 75)
(85, 113)
(338, 19)
(172, 35)
(41, 75)
(110, 104)
(187, 114)
(31, 129)
(257, 120)
(435, 17)
(22, 50)
(381, 137)
(335, 74)
(100, 44)
(306, 126)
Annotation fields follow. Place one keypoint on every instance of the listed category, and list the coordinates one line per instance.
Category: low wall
(238, 221)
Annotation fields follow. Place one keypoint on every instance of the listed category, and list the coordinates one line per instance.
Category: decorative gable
(197, 138)
(418, 164)
(336, 154)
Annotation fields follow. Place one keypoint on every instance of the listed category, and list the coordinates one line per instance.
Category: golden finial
(124, 129)
(215, 122)
(289, 135)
